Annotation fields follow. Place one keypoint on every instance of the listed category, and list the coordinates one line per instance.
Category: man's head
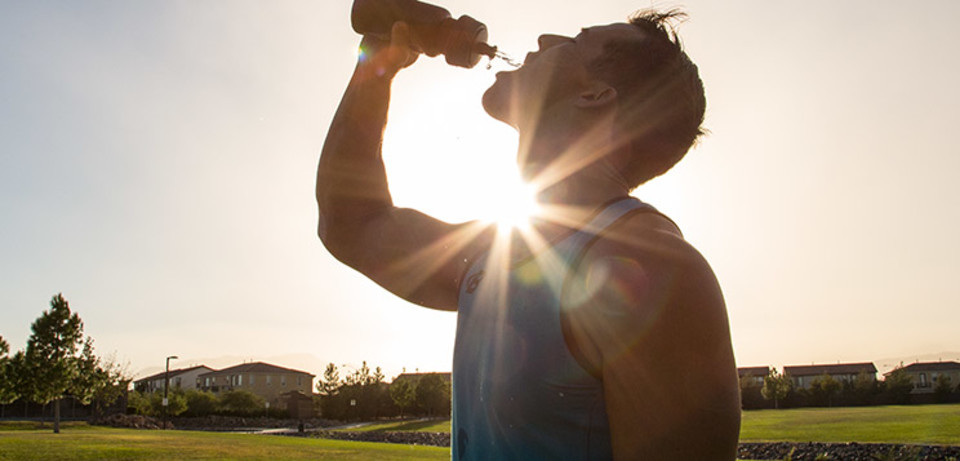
(634, 76)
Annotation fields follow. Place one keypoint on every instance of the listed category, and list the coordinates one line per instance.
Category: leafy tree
(139, 403)
(433, 395)
(23, 376)
(54, 348)
(201, 403)
(403, 394)
(241, 403)
(942, 388)
(111, 384)
(897, 385)
(8, 390)
(825, 387)
(176, 403)
(864, 388)
(776, 387)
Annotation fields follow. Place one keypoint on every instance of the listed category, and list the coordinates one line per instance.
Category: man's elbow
(337, 243)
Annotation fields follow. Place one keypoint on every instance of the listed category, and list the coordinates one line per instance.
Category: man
(602, 334)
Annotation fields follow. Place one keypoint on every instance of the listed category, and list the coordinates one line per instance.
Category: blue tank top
(518, 392)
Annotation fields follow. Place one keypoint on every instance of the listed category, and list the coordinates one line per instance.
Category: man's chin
(496, 102)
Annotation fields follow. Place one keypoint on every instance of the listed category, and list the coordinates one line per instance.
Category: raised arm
(411, 254)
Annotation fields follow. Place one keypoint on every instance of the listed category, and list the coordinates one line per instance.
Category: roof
(173, 373)
(256, 367)
(753, 371)
(932, 366)
(445, 375)
(837, 369)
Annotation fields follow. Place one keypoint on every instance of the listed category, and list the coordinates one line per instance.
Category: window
(299, 381)
(239, 380)
(251, 379)
(206, 382)
(283, 380)
(268, 379)
(923, 380)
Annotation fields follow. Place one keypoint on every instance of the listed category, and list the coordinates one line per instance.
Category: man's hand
(384, 58)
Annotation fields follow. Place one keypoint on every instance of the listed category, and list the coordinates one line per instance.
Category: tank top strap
(604, 219)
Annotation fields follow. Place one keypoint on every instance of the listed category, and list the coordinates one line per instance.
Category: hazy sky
(157, 163)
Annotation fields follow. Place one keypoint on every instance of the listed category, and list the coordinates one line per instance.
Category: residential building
(263, 379)
(416, 376)
(752, 376)
(803, 375)
(924, 375)
(183, 378)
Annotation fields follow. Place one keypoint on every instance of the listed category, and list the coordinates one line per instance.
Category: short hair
(661, 101)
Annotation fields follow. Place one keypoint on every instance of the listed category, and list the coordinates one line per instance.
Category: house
(183, 378)
(752, 376)
(924, 375)
(268, 381)
(803, 375)
(416, 376)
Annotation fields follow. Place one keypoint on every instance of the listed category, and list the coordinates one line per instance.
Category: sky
(158, 158)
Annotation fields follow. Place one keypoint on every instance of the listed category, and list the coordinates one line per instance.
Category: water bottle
(433, 31)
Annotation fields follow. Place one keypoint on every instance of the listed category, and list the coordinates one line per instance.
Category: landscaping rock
(846, 451)
(436, 439)
(812, 451)
(130, 421)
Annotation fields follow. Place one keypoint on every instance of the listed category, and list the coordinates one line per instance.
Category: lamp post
(166, 384)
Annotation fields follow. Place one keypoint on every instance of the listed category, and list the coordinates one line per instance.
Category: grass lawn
(80, 442)
(915, 424)
(926, 424)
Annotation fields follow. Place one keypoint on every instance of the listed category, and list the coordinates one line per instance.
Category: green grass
(928, 424)
(418, 425)
(915, 424)
(98, 443)
(35, 425)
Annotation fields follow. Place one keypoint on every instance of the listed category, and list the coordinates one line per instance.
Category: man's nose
(549, 40)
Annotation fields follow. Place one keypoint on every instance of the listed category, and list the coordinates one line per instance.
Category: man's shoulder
(644, 261)
(645, 236)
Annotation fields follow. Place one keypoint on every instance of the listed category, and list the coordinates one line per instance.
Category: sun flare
(514, 205)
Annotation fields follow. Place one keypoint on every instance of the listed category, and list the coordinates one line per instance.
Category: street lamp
(166, 384)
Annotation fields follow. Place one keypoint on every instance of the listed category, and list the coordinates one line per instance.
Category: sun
(512, 205)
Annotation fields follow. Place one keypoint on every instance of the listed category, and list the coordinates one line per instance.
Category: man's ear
(598, 95)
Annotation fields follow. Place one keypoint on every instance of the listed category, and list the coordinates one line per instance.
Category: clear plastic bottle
(433, 31)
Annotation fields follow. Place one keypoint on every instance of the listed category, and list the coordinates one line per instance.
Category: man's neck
(580, 176)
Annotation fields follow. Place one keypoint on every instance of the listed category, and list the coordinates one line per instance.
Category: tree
(54, 348)
(111, 384)
(23, 377)
(8, 389)
(241, 403)
(864, 388)
(201, 403)
(942, 388)
(433, 395)
(897, 385)
(825, 387)
(776, 387)
(403, 394)
(329, 384)
(176, 404)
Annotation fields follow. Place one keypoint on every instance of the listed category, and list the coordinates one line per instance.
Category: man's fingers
(402, 54)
